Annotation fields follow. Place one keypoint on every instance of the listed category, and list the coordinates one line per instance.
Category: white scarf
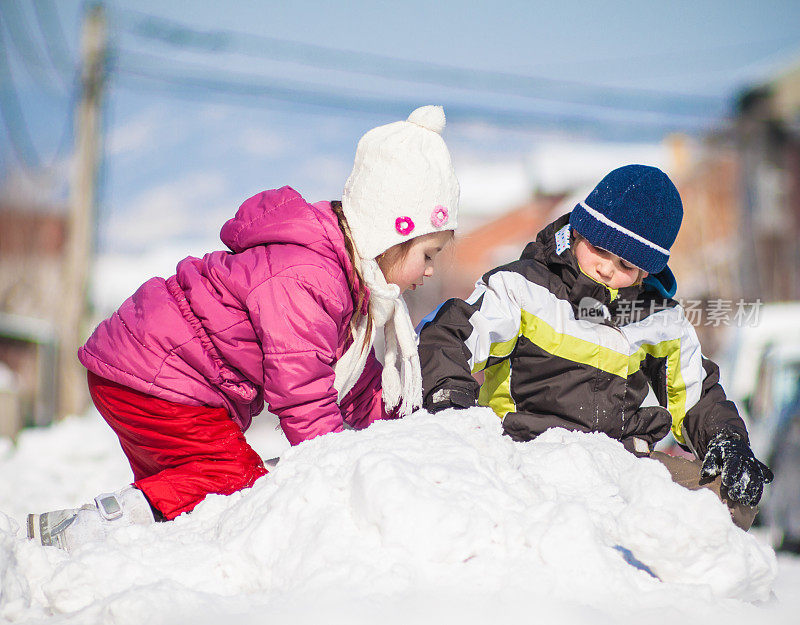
(402, 377)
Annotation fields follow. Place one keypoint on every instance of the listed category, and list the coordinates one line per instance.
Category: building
(767, 136)
(31, 247)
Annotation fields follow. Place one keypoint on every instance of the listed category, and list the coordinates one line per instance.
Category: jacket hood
(663, 283)
(282, 216)
(551, 248)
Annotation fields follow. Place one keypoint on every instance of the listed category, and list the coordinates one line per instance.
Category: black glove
(449, 398)
(742, 474)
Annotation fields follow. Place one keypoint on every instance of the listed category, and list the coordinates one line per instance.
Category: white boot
(67, 529)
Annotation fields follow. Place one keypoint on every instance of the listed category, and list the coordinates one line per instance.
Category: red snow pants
(178, 453)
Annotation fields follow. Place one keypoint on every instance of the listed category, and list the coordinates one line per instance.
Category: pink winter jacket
(265, 322)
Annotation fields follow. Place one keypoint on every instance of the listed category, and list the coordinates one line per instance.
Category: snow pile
(60, 467)
(406, 518)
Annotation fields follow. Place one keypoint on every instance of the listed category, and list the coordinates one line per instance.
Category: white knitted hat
(402, 184)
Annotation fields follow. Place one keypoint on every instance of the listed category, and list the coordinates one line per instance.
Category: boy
(577, 332)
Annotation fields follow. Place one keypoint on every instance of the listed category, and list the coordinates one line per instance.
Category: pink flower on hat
(404, 225)
(439, 216)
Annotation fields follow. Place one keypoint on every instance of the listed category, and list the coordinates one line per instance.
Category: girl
(287, 318)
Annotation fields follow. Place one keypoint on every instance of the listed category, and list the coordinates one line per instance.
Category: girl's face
(408, 270)
(604, 266)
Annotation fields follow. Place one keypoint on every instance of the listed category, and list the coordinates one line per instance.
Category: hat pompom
(430, 117)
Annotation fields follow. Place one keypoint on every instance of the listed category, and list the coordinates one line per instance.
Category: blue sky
(179, 160)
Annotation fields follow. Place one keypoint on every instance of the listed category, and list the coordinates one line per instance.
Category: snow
(492, 188)
(560, 166)
(428, 519)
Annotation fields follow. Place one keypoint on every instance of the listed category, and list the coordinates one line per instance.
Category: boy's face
(604, 266)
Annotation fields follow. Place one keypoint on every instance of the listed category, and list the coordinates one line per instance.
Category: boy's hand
(449, 398)
(742, 474)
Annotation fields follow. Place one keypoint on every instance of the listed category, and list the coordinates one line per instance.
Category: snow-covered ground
(429, 519)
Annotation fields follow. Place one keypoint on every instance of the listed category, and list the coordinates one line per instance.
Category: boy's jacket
(561, 350)
(265, 321)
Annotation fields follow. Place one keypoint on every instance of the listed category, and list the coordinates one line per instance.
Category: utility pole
(81, 225)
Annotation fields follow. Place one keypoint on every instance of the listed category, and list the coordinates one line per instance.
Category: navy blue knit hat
(634, 212)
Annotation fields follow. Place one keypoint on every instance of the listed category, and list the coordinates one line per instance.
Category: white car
(774, 409)
(760, 368)
(743, 348)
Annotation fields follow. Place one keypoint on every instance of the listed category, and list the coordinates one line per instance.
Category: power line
(11, 112)
(22, 39)
(685, 54)
(218, 41)
(14, 119)
(154, 72)
(55, 42)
